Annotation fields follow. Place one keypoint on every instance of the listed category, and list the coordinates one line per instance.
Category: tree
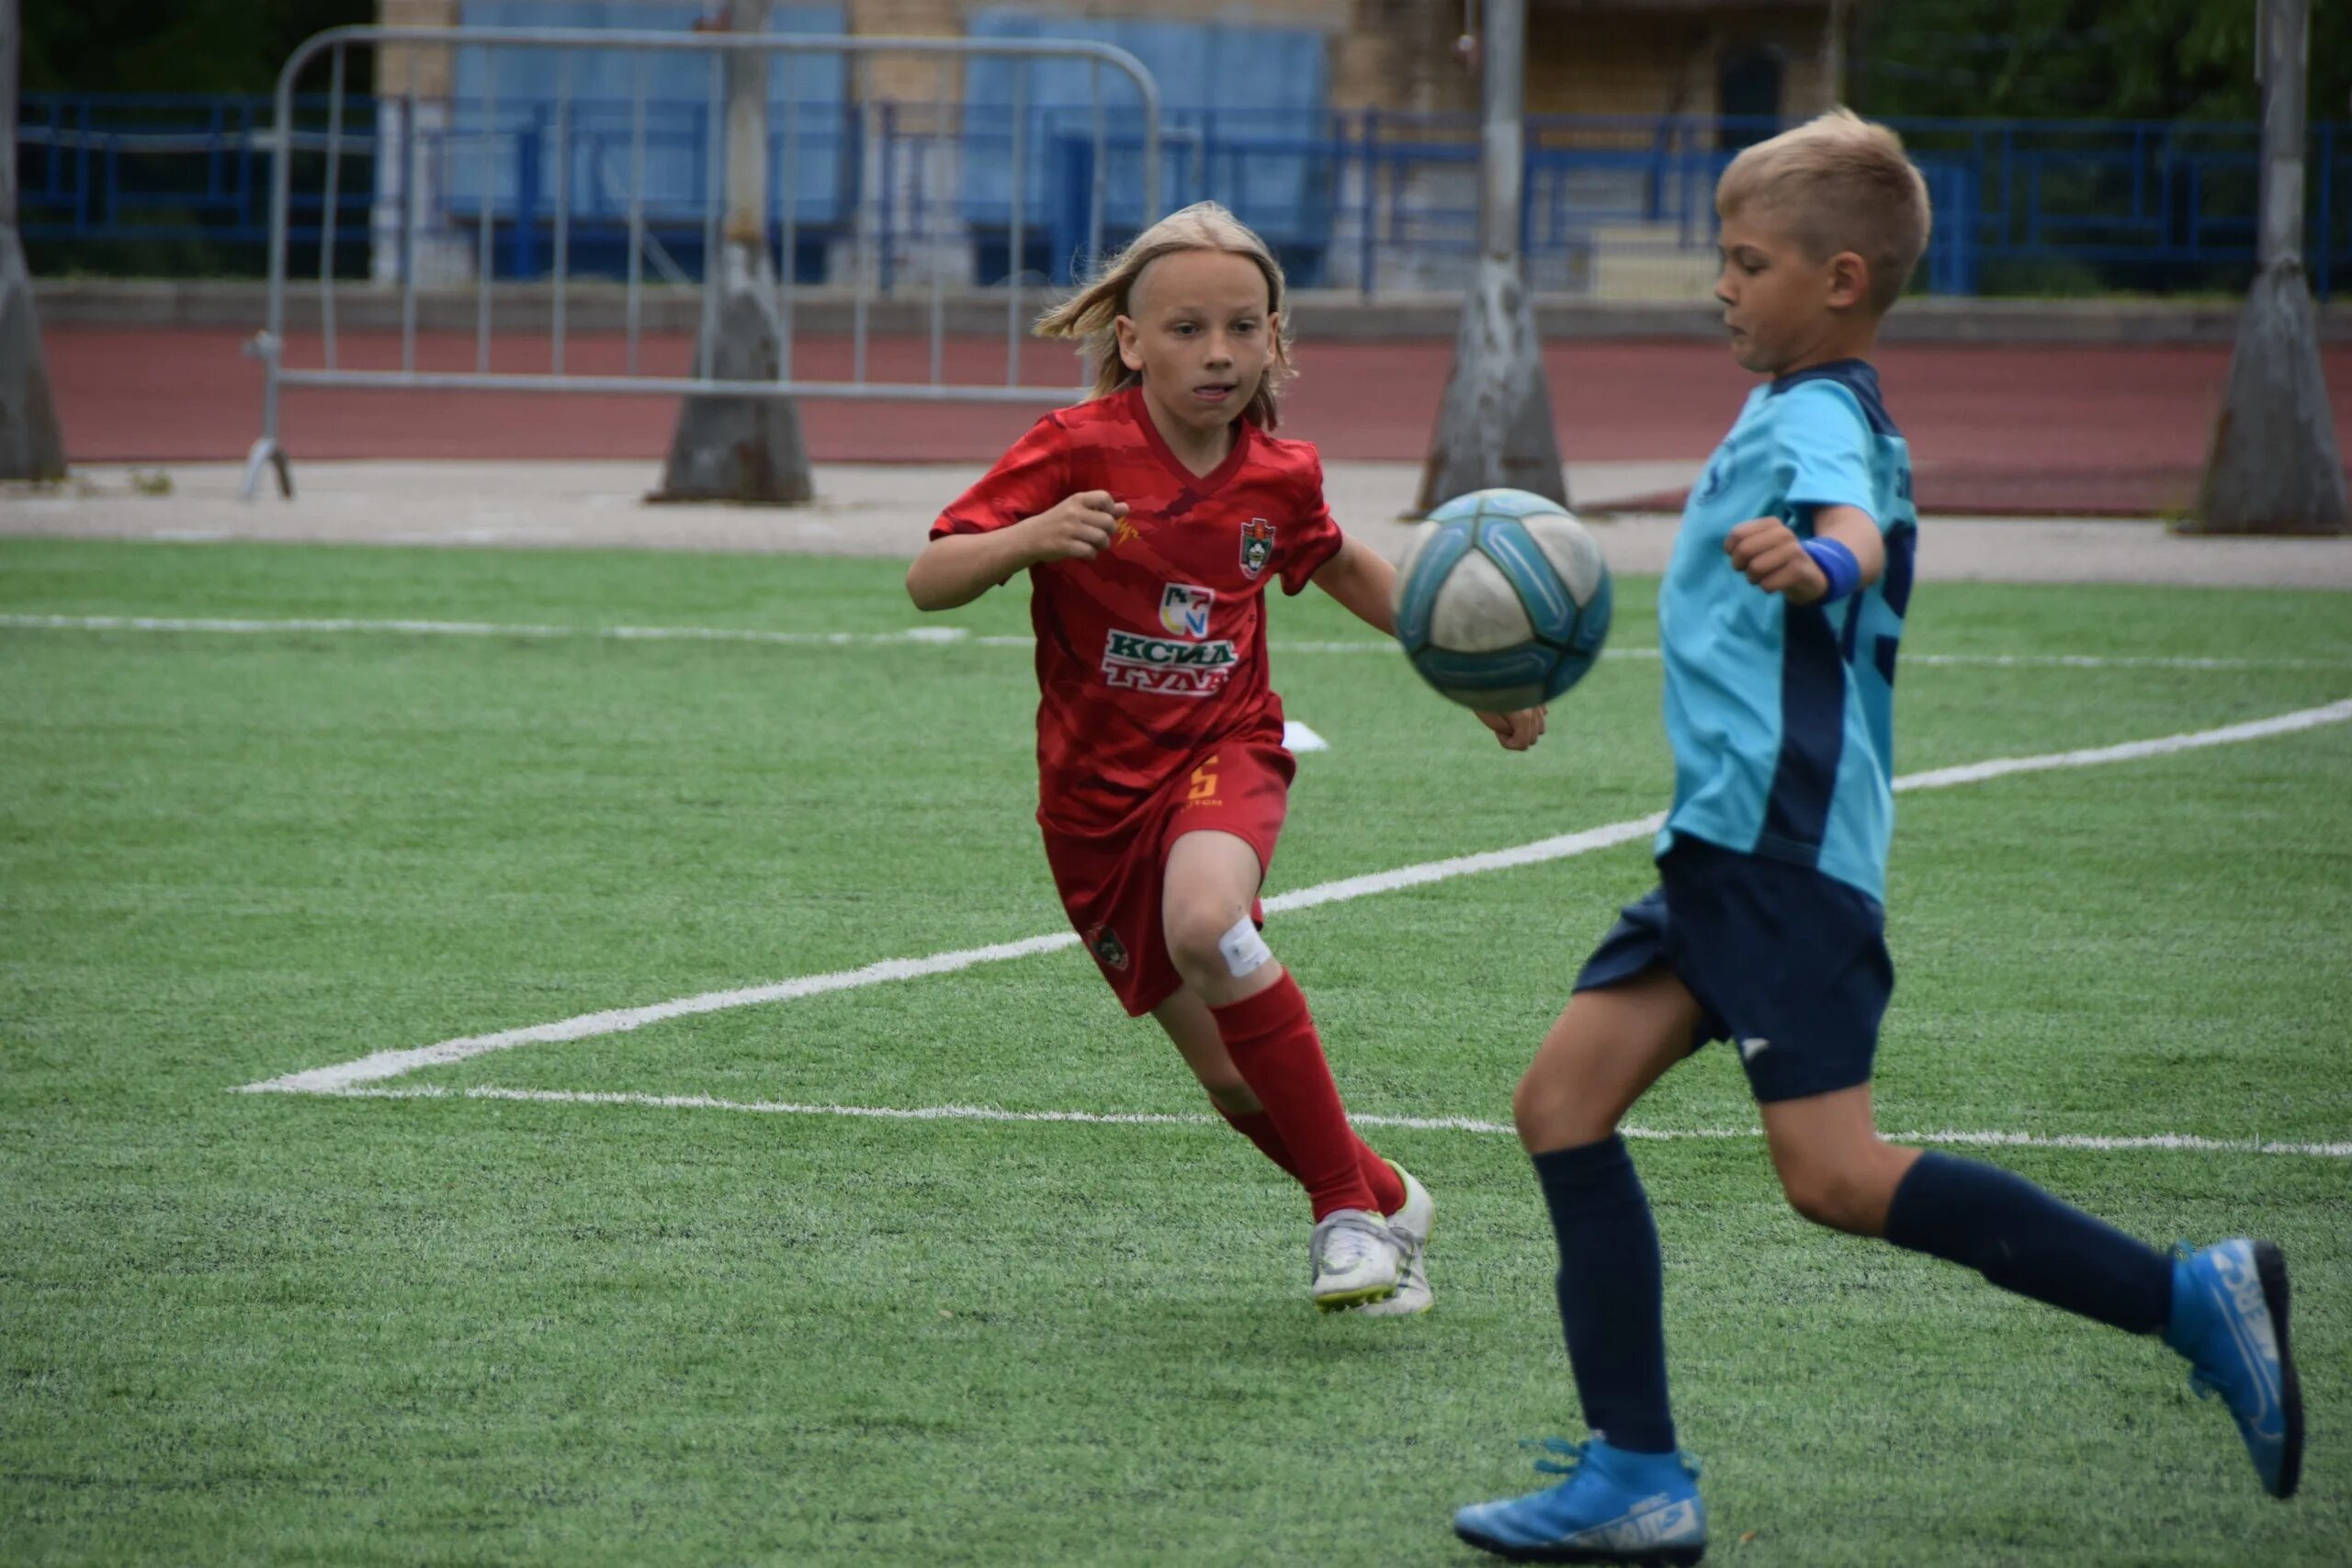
(189, 46)
(2081, 59)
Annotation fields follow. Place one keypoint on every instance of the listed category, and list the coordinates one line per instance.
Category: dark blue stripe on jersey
(1858, 377)
(1894, 587)
(1813, 735)
(1894, 582)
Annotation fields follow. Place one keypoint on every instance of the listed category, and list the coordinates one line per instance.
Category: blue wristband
(1837, 564)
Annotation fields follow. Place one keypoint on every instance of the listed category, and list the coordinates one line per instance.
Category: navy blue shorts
(1789, 965)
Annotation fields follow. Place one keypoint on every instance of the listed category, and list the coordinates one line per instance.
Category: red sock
(1271, 1039)
(1258, 1128)
(1387, 1189)
(1387, 1186)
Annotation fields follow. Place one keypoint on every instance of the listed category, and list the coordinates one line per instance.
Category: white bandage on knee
(1244, 950)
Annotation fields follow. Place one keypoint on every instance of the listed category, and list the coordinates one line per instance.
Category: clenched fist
(1078, 527)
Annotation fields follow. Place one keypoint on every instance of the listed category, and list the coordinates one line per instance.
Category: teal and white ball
(1502, 600)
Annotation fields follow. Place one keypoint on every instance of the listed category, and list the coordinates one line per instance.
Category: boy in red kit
(1151, 518)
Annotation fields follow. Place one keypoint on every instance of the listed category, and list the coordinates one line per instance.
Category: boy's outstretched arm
(1771, 555)
(958, 567)
(1360, 578)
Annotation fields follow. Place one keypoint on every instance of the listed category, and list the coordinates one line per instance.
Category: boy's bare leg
(1603, 1055)
(1838, 1172)
(2223, 1308)
(1191, 1029)
(1210, 883)
(1833, 1164)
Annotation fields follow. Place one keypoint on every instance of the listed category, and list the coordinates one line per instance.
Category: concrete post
(31, 444)
(1494, 428)
(2275, 467)
(741, 449)
(1833, 56)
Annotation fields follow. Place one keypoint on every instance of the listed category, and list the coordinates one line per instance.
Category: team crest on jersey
(1184, 610)
(1257, 546)
(1108, 947)
(1711, 483)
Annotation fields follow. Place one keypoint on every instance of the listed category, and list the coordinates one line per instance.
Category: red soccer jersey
(1156, 649)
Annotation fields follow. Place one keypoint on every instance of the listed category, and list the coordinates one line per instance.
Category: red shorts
(1111, 884)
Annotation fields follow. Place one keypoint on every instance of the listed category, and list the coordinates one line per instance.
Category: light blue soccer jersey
(1781, 716)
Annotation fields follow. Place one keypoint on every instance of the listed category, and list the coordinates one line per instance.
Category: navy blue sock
(2024, 1240)
(1611, 1291)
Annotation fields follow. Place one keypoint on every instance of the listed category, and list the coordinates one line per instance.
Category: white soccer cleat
(1355, 1258)
(1410, 1225)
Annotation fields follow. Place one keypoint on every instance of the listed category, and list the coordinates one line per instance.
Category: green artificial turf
(279, 1328)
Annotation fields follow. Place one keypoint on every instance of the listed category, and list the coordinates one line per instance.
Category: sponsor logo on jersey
(1184, 610)
(1257, 546)
(1138, 663)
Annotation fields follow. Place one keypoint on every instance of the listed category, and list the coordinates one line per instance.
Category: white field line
(2130, 750)
(917, 635)
(959, 637)
(1962, 661)
(619, 1021)
(393, 1064)
(2165, 1141)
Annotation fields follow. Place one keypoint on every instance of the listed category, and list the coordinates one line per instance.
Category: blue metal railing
(1358, 196)
(165, 166)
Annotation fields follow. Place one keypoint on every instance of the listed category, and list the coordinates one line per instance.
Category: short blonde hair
(1204, 226)
(1838, 183)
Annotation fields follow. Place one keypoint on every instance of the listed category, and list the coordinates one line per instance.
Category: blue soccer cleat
(1615, 1507)
(2229, 1317)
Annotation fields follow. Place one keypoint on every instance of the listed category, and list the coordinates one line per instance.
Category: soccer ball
(1502, 600)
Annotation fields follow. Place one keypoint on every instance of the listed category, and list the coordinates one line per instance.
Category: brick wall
(422, 68)
(1663, 63)
(1399, 54)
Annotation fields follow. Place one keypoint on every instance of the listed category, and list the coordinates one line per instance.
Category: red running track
(2006, 428)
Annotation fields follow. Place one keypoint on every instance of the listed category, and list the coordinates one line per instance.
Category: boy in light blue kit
(1778, 619)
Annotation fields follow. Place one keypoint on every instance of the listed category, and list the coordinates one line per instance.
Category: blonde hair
(1839, 183)
(1089, 314)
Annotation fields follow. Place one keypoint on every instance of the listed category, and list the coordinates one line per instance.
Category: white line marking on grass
(1964, 661)
(392, 1063)
(2167, 1141)
(959, 637)
(620, 1021)
(1536, 853)
(2130, 750)
(916, 635)
(2113, 661)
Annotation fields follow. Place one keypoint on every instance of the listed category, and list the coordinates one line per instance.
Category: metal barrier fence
(469, 150)
(1380, 201)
